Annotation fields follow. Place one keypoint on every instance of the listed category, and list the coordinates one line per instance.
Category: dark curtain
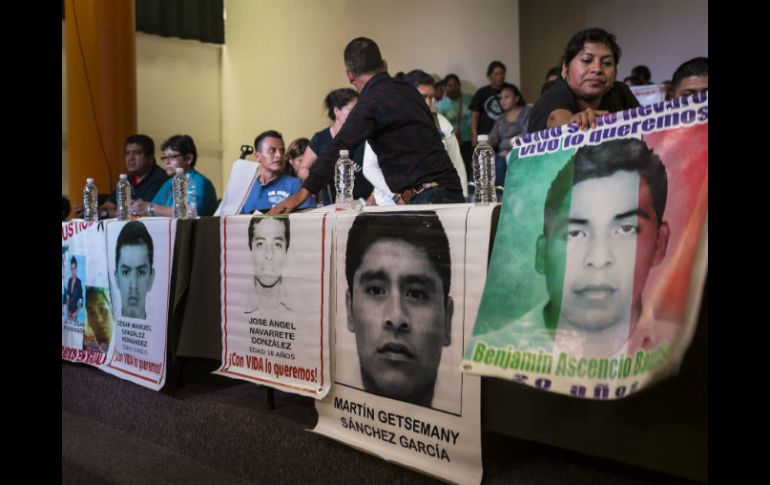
(201, 20)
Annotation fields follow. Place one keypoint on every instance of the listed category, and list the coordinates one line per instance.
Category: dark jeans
(466, 151)
(501, 167)
(438, 195)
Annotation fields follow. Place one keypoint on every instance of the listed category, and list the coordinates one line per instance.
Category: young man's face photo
(268, 251)
(401, 322)
(611, 230)
(134, 276)
(99, 316)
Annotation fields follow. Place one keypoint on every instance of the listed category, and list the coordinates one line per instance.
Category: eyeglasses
(170, 157)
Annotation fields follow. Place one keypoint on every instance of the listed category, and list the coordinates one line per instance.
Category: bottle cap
(123, 176)
(483, 138)
(179, 170)
(344, 153)
(89, 181)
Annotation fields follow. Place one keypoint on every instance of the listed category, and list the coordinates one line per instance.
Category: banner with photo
(87, 324)
(275, 301)
(600, 257)
(408, 285)
(649, 93)
(139, 256)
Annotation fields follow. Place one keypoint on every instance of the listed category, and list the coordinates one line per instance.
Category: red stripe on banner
(224, 281)
(323, 252)
(133, 374)
(276, 383)
(670, 296)
(646, 249)
(684, 152)
(168, 302)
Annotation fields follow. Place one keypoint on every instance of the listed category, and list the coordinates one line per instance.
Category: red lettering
(142, 364)
(73, 228)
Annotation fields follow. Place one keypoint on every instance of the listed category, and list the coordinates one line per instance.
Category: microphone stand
(245, 151)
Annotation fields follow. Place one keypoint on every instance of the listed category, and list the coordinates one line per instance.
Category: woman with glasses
(179, 151)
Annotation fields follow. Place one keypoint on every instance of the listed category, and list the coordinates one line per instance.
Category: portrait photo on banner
(400, 306)
(272, 271)
(595, 247)
(73, 298)
(138, 259)
(99, 321)
(87, 323)
(268, 240)
(272, 301)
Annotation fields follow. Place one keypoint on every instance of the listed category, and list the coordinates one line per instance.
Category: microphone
(245, 151)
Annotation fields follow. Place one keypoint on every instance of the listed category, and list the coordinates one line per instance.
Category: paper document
(242, 178)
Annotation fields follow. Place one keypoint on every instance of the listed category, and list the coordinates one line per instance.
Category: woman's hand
(587, 119)
(138, 208)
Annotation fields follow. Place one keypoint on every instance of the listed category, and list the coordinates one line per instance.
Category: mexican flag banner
(600, 256)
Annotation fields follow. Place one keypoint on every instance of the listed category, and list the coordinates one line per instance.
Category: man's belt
(412, 192)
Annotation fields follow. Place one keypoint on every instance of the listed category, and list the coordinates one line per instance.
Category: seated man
(642, 73)
(65, 208)
(398, 271)
(456, 107)
(691, 77)
(144, 175)
(553, 75)
(273, 185)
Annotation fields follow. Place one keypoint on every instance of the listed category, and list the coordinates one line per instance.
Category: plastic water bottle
(90, 201)
(123, 196)
(192, 206)
(343, 182)
(179, 191)
(484, 171)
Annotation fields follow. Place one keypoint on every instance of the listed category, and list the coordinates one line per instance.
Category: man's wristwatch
(150, 210)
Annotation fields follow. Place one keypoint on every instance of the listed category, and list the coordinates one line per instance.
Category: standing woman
(339, 103)
(588, 87)
(513, 122)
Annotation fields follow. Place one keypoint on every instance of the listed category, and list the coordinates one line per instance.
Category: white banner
(275, 300)
(242, 178)
(408, 286)
(139, 255)
(87, 323)
(649, 93)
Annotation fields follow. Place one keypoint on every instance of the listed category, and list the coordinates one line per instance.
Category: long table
(663, 428)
